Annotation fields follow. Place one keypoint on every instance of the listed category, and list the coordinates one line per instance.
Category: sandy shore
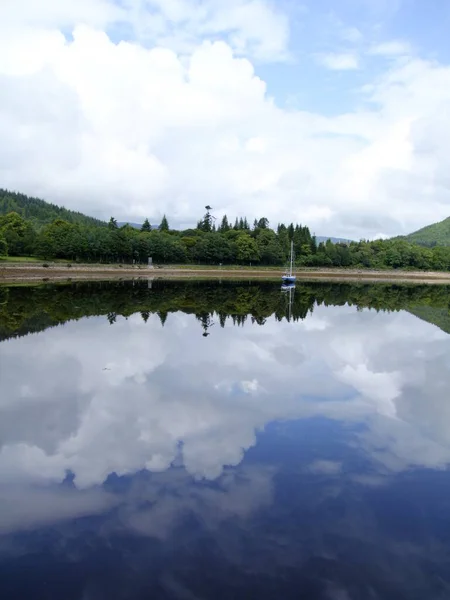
(35, 272)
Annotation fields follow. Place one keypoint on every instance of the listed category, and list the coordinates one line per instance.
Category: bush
(69, 265)
(46, 265)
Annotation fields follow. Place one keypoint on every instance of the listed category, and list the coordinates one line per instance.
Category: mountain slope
(40, 212)
(437, 234)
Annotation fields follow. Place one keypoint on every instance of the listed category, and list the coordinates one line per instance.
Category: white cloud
(392, 48)
(345, 61)
(49, 14)
(251, 27)
(173, 122)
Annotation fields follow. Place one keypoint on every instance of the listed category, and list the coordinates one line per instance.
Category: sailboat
(289, 277)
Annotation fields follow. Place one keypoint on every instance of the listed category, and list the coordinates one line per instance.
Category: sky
(332, 114)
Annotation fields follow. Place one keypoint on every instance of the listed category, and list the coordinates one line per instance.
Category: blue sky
(351, 27)
(332, 114)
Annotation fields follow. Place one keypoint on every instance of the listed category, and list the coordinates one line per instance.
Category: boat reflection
(289, 290)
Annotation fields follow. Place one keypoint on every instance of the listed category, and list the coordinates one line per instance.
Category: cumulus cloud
(178, 117)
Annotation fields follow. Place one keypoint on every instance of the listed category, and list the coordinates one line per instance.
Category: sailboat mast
(292, 256)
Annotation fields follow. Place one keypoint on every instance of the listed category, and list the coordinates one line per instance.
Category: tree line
(228, 242)
(31, 309)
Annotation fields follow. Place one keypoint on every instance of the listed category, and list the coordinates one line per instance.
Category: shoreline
(30, 273)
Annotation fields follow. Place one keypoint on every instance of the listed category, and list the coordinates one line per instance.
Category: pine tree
(206, 223)
(162, 314)
(112, 223)
(164, 224)
(146, 226)
(224, 226)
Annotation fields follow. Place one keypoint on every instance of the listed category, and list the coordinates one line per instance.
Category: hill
(437, 234)
(40, 212)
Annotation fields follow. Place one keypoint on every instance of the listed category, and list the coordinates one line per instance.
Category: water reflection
(308, 454)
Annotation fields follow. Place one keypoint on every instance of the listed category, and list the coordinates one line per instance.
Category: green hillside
(437, 234)
(39, 212)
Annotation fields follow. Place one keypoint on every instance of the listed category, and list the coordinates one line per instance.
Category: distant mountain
(40, 212)
(135, 225)
(437, 234)
(335, 240)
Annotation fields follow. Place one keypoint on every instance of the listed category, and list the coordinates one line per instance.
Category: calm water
(228, 441)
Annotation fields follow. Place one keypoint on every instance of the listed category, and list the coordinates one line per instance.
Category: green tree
(263, 223)
(58, 240)
(18, 233)
(112, 223)
(3, 246)
(269, 247)
(146, 226)
(206, 224)
(164, 226)
(224, 225)
(247, 249)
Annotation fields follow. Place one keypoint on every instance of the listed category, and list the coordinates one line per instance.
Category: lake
(226, 440)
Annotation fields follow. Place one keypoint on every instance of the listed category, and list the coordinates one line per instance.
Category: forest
(30, 309)
(211, 242)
